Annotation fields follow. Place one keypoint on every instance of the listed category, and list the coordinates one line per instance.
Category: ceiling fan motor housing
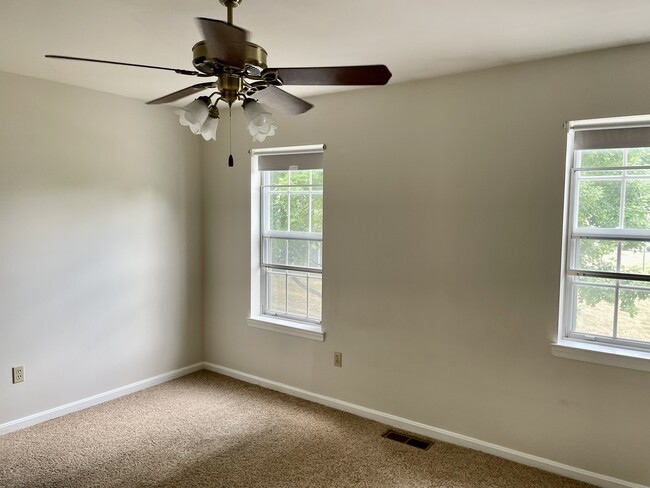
(255, 60)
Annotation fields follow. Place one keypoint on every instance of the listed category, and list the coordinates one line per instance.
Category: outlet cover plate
(18, 374)
(338, 359)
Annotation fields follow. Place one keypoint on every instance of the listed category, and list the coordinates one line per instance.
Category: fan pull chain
(231, 161)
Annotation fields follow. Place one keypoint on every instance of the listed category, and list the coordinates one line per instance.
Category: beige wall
(443, 221)
(99, 244)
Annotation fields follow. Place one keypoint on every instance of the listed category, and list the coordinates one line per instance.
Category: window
(287, 240)
(606, 284)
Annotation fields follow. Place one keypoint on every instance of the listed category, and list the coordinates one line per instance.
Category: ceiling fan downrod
(230, 4)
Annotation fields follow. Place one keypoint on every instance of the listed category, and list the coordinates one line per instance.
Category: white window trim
(568, 348)
(298, 329)
(256, 319)
(601, 354)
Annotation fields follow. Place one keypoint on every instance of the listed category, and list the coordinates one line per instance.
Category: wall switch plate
(18, 374)
(338, 359)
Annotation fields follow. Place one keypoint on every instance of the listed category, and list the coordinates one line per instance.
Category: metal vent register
(407, 439)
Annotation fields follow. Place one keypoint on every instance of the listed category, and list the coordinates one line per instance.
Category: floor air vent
(407, 439)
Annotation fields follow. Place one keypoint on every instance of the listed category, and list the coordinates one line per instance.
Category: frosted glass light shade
(194, 114)
(209, 129)
(260, 121)
(260, 133)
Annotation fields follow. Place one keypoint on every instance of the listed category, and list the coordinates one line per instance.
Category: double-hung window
(287, 239)
(606, 276)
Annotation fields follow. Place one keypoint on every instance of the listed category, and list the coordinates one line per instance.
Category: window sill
(601, 354)
(297, 329)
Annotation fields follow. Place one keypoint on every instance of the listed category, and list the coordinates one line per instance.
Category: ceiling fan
(239, 72)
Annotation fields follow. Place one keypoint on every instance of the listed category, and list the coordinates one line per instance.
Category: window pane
(596, 255)
(297, 294)
(279, 177)
(278, 251)
(278, 211)
(599, 204)
(637, 204)
(299, 209)
(317, 177)
(315, 296)
(277, 291)
(635, 257)
(299, 177)
(298, 253)
(601, 158)
(638, 157)
(317, 213)
(316, 254)
(595, 310)
(634, 315)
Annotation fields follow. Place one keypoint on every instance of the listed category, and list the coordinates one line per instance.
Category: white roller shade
(612, 138)
(282, 159)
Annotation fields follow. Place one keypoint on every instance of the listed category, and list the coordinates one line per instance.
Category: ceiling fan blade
(283, 101)
(375, 74)
(175, 70)
(225, 42)
(177, 95)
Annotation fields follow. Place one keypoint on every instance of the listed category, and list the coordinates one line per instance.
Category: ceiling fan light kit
(240, 72)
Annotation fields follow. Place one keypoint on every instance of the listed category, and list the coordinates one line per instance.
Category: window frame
(258, 317)
(579, 345)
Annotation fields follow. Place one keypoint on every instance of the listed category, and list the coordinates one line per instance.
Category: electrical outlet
(338, 359)
(18, 374)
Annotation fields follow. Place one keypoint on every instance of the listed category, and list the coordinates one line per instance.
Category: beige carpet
(207, 430)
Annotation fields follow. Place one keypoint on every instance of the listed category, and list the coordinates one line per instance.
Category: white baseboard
(96, 399)
(432, 432)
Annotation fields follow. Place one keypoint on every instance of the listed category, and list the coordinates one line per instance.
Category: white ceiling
(416, 39)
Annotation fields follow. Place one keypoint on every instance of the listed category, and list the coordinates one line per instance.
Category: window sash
(579, 174)
(267, 303)
(622, 258)
(614, 336)
(268, 261)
